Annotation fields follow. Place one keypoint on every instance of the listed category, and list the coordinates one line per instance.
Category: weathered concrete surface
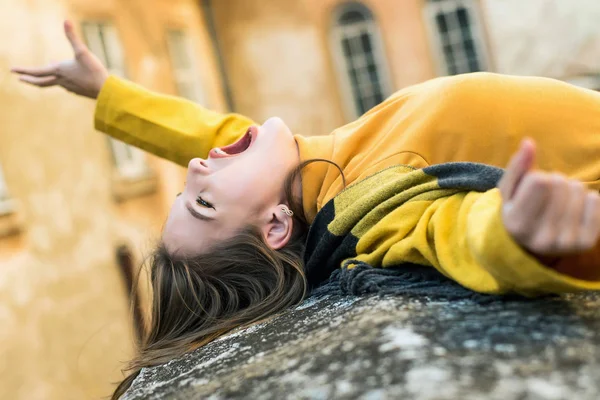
(396, 347)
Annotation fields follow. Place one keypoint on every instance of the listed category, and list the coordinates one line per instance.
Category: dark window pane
(470, 49)
(360, 105)
(373, 74)
(353, 78)
(452, 69)
(367, 88)
(440, 19)
(352, 17)
(365, 104)
(449, 55)
(474, 64)
(445, 40)
(366, 43)
(346, 47)
(466, 33)
(463, 17)
(372, 102)
(370, 60)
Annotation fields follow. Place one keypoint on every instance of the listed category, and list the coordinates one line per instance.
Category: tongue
(240, 146)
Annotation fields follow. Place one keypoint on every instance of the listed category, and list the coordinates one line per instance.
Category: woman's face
(236, 186)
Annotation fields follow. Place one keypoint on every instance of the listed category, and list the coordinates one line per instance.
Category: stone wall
(397, 347)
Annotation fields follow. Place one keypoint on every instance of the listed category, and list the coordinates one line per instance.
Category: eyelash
(200, 201)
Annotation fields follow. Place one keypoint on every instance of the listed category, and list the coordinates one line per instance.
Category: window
(456, 35)
(6, 205)
(185, 70)
(103, 40)
(587, 81)
(360, 58)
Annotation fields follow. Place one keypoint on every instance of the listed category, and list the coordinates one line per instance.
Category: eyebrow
(196, 214)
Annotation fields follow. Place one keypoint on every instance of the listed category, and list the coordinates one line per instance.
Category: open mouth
(236, 148)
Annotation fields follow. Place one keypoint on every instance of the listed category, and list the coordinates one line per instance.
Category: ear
(278, 229)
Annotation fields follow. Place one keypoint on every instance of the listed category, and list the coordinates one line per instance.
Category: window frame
(185, 76)
(103, 40)
(340, 32)
(431, 9)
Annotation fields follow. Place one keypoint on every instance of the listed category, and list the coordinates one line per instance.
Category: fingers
(76, 43)
(523, 217)
(44, 71)
(552, 215)
(591, 220)
(569, 207)
(519, 165)
(40, 81)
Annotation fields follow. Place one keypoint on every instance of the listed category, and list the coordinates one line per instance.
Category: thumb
(520, 163)
(76, 43)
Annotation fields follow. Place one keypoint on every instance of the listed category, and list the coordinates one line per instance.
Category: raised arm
(168, 127)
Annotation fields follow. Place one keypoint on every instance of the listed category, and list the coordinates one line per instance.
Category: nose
(199, 166)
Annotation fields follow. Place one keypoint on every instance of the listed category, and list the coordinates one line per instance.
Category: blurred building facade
(74, 204)
(76, 209)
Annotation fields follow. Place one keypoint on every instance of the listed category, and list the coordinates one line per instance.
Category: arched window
(457, 37)
(362, 67)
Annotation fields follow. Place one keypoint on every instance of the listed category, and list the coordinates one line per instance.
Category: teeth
(217, 150)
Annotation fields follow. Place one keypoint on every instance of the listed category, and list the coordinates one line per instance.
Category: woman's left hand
(83, 75)
(547, 214)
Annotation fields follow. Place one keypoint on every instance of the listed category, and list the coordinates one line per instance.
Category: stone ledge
(375, 347)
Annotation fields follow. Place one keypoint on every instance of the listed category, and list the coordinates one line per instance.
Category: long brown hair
(238, 282)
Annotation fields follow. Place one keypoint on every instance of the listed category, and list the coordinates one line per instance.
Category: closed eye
(200, 201)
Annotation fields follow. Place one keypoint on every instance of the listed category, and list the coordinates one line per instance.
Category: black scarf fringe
(408, 279)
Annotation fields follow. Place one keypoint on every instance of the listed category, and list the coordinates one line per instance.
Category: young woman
(232, 249)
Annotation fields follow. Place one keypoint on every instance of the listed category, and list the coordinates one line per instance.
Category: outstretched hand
(547, 214)
(83, 75)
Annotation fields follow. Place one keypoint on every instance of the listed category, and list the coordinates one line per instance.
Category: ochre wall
(65, 329)
(279, 61)
(276, 63)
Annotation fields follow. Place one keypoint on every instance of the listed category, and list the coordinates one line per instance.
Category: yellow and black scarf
(358, 210)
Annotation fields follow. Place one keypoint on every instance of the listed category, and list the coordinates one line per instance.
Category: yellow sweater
(476, 117)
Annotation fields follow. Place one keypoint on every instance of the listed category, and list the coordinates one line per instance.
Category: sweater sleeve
(169, 127)
(464, 238)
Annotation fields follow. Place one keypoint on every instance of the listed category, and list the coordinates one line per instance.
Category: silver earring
(287, 211)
